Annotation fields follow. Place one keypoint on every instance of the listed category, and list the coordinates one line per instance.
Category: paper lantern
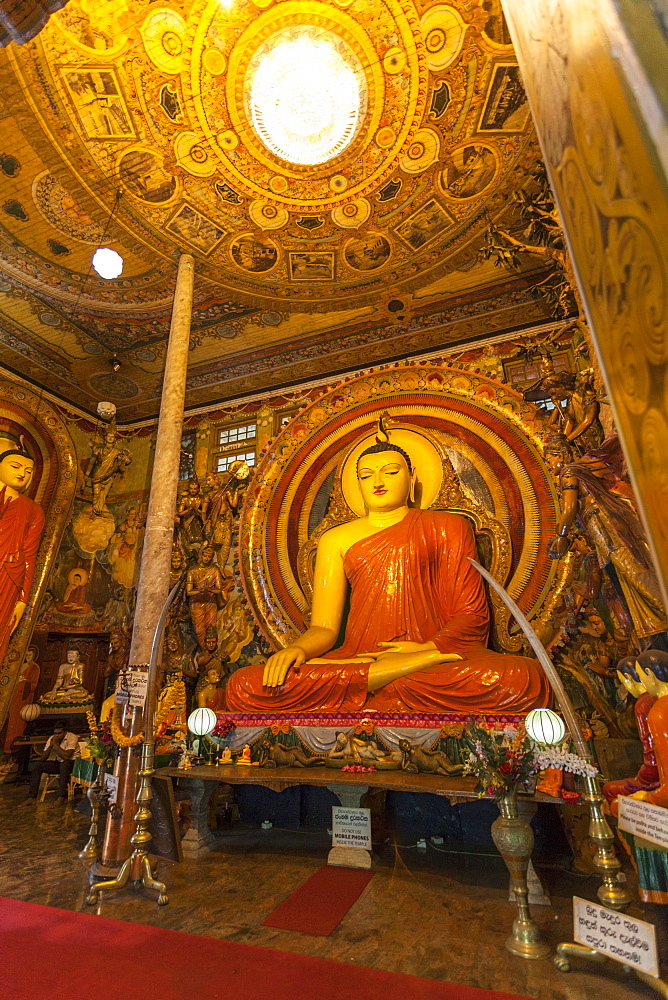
(202, 721)
(545, 726)
(30, 712)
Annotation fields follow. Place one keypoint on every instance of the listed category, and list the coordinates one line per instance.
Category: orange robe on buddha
(409, 582)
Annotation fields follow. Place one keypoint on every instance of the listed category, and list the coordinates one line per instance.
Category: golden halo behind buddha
(424, 457)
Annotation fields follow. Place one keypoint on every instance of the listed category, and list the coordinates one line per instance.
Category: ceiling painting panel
(179, 125)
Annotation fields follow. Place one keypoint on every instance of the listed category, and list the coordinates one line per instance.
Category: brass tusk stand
(137, 867)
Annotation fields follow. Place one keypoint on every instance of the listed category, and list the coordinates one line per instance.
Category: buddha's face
(384, 480)
(16, 472)
(72, 655)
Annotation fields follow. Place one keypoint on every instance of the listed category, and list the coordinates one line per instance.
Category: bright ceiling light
(305, 95)
(107, 263)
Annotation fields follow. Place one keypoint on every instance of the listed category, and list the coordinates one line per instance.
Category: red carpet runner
(50, 954)
(321, 903)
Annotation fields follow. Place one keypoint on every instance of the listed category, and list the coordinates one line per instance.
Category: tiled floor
(432, 914)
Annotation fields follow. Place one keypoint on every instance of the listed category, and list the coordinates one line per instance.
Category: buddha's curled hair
(383, 444)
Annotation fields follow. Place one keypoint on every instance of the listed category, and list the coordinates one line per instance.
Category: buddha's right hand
(277, 666)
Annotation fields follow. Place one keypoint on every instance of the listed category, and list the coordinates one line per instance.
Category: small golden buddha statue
(417, 629)
(68, 688)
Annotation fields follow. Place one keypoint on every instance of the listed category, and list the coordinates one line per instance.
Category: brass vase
(513, 838)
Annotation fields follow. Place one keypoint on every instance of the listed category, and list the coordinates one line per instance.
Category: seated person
(56, 758)
(416, 634)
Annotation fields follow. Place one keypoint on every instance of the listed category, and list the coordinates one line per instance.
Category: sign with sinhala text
(624, 939)
(351, 827)
(644, 820)
(132, 686)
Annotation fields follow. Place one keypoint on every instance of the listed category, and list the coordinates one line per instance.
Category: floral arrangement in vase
(100, 743)
(505, 759)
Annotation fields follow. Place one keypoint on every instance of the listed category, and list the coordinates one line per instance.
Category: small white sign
(111, 784)
(351, 827)
(624, 939)
(644, 820)
(132, 687)
(138, 685)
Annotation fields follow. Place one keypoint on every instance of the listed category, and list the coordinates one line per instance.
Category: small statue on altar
(342, 749)
(416, 634)
(648, 775)
(226, 756)
(245, 755)
(106, 464)
(421, 761)
(69, 688)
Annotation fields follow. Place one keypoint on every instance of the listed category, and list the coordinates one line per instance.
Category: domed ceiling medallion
(305, 95)
(310, 153)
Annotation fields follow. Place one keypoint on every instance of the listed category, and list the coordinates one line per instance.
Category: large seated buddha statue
(418, 620)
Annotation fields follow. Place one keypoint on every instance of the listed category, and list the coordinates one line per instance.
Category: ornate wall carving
(600, 125)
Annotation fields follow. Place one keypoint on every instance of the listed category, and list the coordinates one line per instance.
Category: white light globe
(107, 263)
(545, 727)
(202, 721)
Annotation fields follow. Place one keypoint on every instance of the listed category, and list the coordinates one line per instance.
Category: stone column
(594, 72)
(153, 584)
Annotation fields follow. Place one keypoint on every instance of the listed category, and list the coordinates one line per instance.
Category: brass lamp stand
(606, 862)
(137, 867)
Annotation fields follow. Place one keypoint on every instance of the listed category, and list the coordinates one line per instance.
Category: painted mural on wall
(93, 583)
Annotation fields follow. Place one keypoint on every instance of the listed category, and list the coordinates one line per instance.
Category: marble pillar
(153, 584)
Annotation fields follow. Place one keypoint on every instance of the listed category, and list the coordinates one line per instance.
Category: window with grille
(520, 374)
(234, 444)
(232, 436)
(223, 462)
(282, 418)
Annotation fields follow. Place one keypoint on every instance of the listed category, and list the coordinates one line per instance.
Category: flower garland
(117, 733)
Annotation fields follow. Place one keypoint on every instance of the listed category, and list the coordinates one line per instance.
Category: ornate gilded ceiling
(140, 124)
